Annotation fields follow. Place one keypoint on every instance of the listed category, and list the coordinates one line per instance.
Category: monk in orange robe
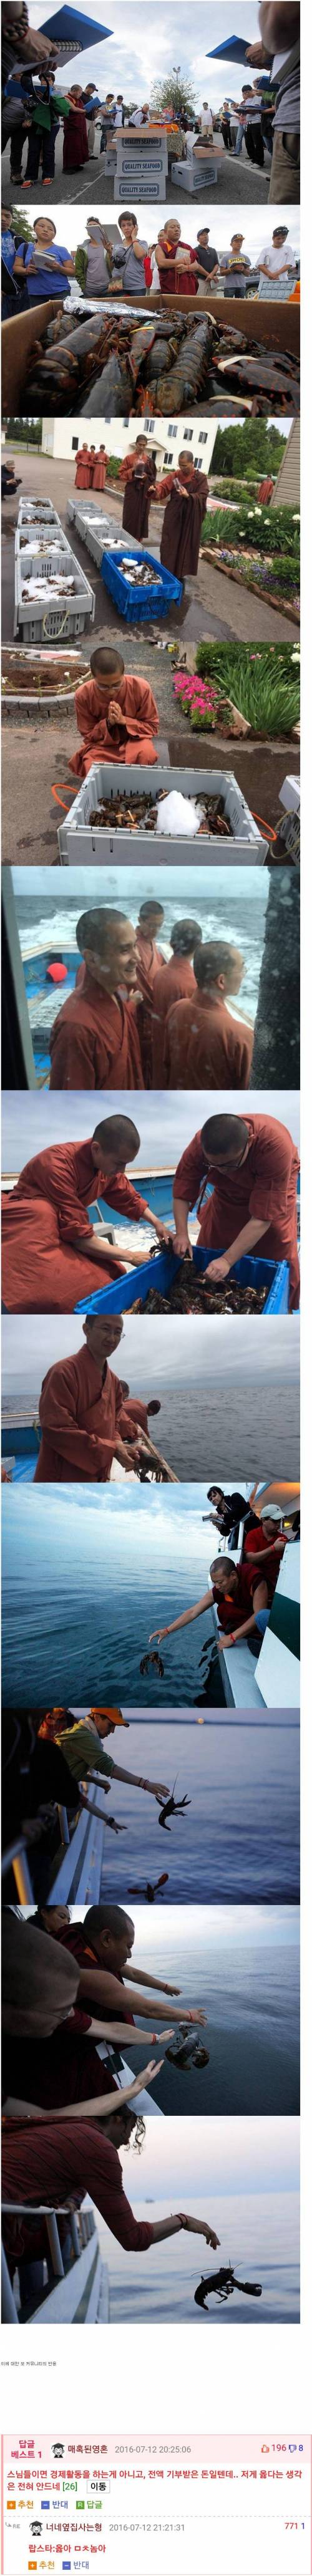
(51, 1255)
(116, 715)
(83, 475)
(148, 959)
(173, 983)
(203, 1045)
(138, 472)
(94, 1044)
(250, 1166)
(185, 491)
(100, 470)
(81, 1410)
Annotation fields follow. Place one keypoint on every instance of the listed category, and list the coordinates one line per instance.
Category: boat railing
(76, 1872)
(81, 2227)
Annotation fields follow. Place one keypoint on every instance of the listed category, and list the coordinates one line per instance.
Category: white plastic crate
(38, 624)
(28, 510)
(78, 837)
(28, 540)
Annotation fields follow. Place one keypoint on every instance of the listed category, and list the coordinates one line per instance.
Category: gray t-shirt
(97, 277)
(133, 272)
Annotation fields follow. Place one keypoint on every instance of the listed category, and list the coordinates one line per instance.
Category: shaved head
(224, 1139)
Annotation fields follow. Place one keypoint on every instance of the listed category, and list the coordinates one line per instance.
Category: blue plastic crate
(135, 604)
(160, 1272)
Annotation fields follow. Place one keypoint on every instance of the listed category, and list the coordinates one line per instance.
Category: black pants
(39, 136)
(226, 131)
(254, 144)
(15, 135)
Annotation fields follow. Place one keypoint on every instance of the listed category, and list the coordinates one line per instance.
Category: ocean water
(238, 1839)
(228, 915)
(197, 1426)
(159, 2286)
(85, 1582)
(241, 1966)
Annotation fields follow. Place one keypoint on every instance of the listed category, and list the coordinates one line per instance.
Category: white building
(60, 438)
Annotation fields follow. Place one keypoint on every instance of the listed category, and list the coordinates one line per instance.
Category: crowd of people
(73, 2001)
(241, 1587)
(141, 1020)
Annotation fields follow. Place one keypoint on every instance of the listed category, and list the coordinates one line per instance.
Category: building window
(202, 434)
(75, 443)
(188, 434)
(172, 428)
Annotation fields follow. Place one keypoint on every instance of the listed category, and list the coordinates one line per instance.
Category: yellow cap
(114, 1714)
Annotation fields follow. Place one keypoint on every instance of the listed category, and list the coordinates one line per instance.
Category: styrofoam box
(39, 624)
(192, 176)
(77, 837)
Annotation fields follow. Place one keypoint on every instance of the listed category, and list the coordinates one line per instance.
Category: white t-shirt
(275, 259)
(205, 119)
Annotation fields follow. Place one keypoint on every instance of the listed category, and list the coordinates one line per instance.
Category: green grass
(264, 682)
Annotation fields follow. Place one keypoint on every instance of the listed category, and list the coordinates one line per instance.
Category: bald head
(185, 936)
(224, 1140)
(218, 968)
(115, 1142)
(107, 941)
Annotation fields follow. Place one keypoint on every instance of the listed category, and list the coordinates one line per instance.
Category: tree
(176, 93)
(26, 433)
(20, 225)
(254, 448)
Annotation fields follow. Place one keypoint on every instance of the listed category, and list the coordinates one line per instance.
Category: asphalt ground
(239, 183)
(211, 604)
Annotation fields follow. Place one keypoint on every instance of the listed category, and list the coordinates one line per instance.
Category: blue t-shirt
(45, 281)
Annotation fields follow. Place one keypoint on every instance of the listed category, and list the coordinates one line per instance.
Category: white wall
(61, 437)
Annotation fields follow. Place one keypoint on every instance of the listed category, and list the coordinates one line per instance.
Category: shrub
(272, 532)
(113, 463)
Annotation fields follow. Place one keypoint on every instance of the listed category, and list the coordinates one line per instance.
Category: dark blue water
(238, 1839)
(241, 1966)
(87, 1578)
(156, 2294)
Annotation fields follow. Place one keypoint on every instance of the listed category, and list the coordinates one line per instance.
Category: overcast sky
(173, 1351)
(166, 1120)
(97, 884)
(142, 47)
(256, 224)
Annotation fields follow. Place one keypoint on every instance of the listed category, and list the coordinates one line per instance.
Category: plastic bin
(36, 624)
(78, 838)
(160, 1272)
(139, 604)
(37, 537)
(28, 510)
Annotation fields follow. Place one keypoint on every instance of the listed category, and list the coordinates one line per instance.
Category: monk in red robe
(133, 1409)
(251, 1167)
(203, 1045)
(148, 959)
(94, 1044)
(138, 472)
(75, 139)
(116, 715)
(83, 473)
(185, 490)
(51, 1254)
(81, 1411)
(174, 983)
(100, 470)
